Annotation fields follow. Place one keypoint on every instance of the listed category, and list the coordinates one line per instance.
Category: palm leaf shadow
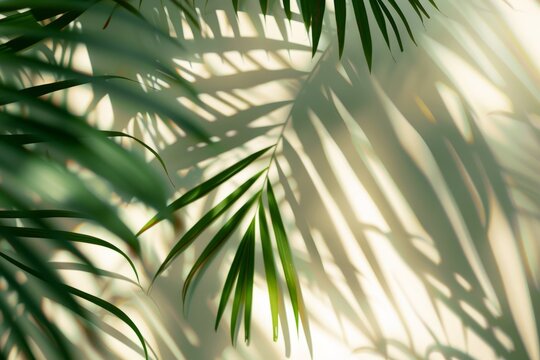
(451, 153)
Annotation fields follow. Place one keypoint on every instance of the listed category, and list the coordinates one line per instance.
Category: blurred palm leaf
(42, 142)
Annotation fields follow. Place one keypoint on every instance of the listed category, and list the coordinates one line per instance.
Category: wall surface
(410, 194)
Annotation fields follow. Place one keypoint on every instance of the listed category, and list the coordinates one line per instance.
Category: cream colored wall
(376, 204)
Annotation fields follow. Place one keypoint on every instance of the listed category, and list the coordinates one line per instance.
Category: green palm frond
(340, 98)
(384, 12)
(312, 14)
(241, 271)
(55, 165)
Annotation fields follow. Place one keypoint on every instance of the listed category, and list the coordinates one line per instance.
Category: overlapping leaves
(387, 13)
(38, 137)
(240, 275)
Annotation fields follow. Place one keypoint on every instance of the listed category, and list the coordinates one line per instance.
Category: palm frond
(384, 12)
(338, 113)
(41, 137)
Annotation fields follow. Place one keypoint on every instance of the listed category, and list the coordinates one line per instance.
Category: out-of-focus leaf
(32, 305)
(189, 11)
(88, 297)
(40, 214)
(40, 90)
(32, 256)
(25, 41)
(146, 146)
(53, 234)
(10, 317)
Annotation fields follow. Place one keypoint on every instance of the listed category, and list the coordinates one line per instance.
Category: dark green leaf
(250, 271)
(392, 23)
(40, 90)
(264, 6)
(270, 269)
(317, 22)
(88, 297)
(10, 317)
(239, 297)
(33, 307)
(230, 281)
(65, 236)
(41, 214)
(284, 250)
(340, 8)
(363, 27)
(217, 242)
(25, 41)
(403, 18)
(147, 147)
(287, 8)
(305, 9)
(379, 18)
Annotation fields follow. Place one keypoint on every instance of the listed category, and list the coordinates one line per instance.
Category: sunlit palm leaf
(241, 271)
(36, 121)
(335, 102)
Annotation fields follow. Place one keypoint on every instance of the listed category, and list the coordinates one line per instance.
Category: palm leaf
(201, 225)
(88, 297)
(270, 269)
(202, 189)
(325, 105)
(31, 118)
(284, 250)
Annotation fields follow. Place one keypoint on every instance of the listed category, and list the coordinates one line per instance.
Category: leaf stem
(289, 117)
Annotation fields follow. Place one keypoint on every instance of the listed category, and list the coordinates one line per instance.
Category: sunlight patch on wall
(455, 109)
(511, 269)
(522, 17)
(365, 210)
(476, 82)
(481, 95)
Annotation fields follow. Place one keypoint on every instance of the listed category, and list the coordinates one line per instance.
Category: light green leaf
(205, 222)
(203, 189)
